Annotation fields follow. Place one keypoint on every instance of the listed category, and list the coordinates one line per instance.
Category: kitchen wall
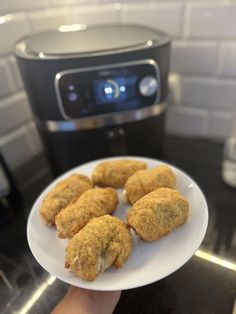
(203, 63)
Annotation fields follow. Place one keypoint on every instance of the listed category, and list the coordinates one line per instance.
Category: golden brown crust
(116, 172)
(146, 181)
(63, 194)
(103, 242)
(92, 203)
(158, 213)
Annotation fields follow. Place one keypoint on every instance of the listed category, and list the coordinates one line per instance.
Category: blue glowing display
(115, 89)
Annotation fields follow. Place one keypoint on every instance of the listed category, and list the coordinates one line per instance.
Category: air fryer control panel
(107, 89)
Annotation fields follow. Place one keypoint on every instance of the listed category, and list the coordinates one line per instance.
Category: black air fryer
(96, 92)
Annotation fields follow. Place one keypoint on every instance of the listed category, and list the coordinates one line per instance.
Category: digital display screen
(95, 92)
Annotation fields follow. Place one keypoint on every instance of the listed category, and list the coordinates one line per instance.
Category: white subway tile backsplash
(227, 65)
(194, 57)
(211, 20)
(16, 147)
(6, 83)
(9, 6)
(51, 19)
(12, 27)
(15, 73)
(100, 14)
(89, 15)
(167, 17)
(186, 121)
(13, 112)
(219, 124)
(70, 2)
(209, 93)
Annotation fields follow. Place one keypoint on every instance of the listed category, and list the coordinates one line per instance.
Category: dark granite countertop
(199, 287)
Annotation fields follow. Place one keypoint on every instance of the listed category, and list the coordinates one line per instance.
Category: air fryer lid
(89, 41)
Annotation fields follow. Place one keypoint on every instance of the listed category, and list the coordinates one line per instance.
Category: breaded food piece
(64, 193)
(103, 242)
(116, 172)
(92, 203)
(146, 181)
(158, 213)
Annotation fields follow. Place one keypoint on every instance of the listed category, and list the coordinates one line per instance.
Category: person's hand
(82, 301)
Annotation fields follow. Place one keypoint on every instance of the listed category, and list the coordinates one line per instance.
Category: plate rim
(128, 286)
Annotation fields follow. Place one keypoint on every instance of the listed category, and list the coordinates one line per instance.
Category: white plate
(148, 262)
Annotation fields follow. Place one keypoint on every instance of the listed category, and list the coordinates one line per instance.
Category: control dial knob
(148, 86)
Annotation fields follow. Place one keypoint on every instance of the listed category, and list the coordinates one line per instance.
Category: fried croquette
(158, 213)
(92, 203)
(103, 242)
(115, 173)
(146, 181)
(64, 193)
